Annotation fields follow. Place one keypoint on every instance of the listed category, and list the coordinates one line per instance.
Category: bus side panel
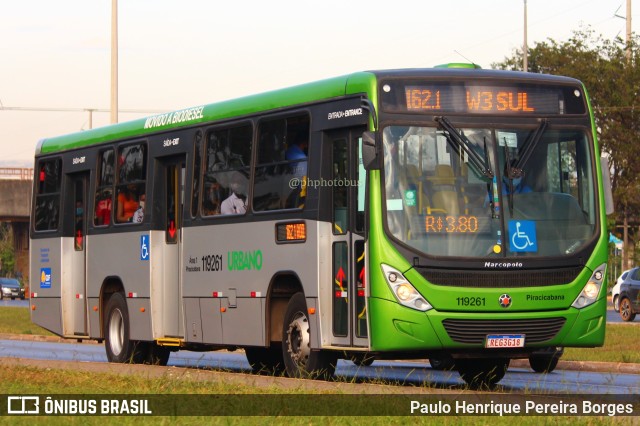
(211, 320)
(225, 270)
(324, 301)
(244, 324)
(45, 267)
(95, 325)
(192, 320)
(117, 256)
(139, 318)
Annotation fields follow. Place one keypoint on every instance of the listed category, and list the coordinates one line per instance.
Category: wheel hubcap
(298, 344)
(116, 332)
(624, 309)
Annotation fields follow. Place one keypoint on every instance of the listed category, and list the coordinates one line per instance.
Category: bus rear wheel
(482, 373)
(299, 359)
(119, 347)
(266, 360)
(154, 354)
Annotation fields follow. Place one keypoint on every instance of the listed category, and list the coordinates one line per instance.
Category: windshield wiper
(458, 139)
(529, 145)
(513, 172)
(516, 171)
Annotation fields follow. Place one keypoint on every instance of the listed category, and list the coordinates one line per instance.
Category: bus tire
(362, 359)
(543, 364)
(155, 354)
(626, 312)
(442, 363)
(120, 348)
(299, 360)
(266, 360)
(483, 373)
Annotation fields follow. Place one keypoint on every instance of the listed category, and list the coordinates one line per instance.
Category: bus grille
(475, 331)
(501, 279)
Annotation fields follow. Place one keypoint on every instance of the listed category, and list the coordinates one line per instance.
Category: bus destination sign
(453, 97)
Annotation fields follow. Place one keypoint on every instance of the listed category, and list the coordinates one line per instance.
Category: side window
(197, 160)
(281, 170)
(47, 208)
(228, 166)
(131, 185)
(104, 188)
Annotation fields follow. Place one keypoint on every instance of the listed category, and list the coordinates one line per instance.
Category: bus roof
(324, 89)
(360, 82)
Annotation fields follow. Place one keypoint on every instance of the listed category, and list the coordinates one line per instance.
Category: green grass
(18, 321)
(619, 346)
(40, 381)
(25, 380)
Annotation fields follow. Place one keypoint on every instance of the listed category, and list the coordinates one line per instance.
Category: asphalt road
(517, 380)
(568, 378)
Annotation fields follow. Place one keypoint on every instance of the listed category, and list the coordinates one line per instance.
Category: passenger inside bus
(103, 207)
(127, 204)
(297, 151)
(236, 202)
(138, 215)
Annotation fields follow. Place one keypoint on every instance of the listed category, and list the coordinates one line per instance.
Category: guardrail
(20, 173)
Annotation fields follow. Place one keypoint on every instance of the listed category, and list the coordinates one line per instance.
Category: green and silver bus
(446, 213)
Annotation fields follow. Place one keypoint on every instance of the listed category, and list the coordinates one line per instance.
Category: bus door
(171, 217)
(349, 310)
(74, 282)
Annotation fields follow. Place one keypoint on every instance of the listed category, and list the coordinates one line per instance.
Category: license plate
(501, 341)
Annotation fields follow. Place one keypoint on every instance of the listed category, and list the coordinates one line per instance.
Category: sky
(174, 54)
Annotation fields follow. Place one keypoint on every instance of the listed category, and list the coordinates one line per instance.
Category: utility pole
(525, 52)
(114, 61)
(90, 111)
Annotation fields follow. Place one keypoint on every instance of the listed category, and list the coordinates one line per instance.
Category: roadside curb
(587, 366)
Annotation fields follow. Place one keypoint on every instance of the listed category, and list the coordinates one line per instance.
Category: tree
(613, 82)
(7, 254)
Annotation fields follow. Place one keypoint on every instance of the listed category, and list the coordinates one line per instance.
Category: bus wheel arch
(118, 344)
(299, 359)
(269, 359)
(110, 286)
(281, 289)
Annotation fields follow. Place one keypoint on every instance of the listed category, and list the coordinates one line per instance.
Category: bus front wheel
(482, 373)
(119, 347)
(543, 364)
(299, 359)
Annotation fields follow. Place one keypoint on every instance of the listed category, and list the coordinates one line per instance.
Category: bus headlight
(405, 293)
(589, 293)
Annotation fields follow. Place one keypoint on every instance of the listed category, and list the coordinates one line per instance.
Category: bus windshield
(538, 198)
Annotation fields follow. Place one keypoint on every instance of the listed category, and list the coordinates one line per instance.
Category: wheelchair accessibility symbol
(144, 247)
(522, 236)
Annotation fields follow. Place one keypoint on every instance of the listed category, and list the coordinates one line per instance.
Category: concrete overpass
(15, 205)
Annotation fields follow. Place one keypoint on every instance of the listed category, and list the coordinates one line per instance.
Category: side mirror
(606, 185)
(370, 159)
